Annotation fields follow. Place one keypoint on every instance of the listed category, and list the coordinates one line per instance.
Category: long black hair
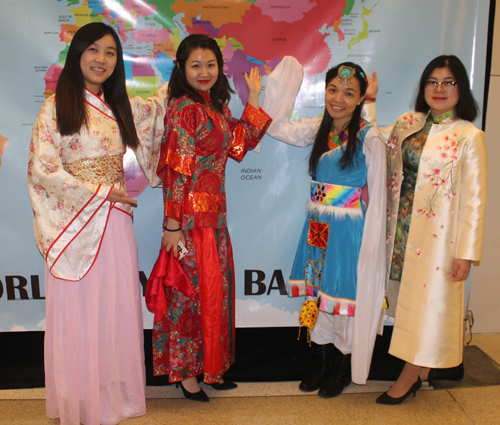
(220, 93)
(466, 108)
(70, 94)
(321, 141)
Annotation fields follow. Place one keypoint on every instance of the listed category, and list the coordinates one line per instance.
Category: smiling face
(341, 101)
(98, 62)
(202, 69)
(440, 101)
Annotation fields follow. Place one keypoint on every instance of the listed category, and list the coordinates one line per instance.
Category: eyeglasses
(447, 86)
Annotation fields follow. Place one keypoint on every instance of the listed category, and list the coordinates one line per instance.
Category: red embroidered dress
(197, 334)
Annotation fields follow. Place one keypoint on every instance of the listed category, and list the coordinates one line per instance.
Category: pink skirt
(94, 348)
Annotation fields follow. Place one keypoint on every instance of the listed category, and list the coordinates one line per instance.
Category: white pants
(334, 329)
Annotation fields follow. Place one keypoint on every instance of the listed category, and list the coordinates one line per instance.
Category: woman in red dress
(196, 335)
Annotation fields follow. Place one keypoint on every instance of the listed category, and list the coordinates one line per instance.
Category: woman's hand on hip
(117, 195)
(461, 269)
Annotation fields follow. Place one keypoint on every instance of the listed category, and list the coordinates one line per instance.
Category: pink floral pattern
(56, 196)
(409, 120)
(441, 175)
(394, 185)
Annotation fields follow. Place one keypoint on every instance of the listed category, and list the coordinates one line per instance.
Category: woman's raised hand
(253, 80)
(372, 89)
(254, 86)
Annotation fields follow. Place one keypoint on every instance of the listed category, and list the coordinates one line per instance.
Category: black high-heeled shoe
(224, 386)
(387, 399)
(199, 396)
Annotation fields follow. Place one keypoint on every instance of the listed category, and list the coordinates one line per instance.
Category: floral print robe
(447, 222)
(411, 153)
(71, 214)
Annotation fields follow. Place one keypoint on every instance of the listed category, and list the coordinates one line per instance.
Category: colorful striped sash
(335, 195)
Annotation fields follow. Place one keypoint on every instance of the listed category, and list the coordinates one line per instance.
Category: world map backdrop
(267, 192)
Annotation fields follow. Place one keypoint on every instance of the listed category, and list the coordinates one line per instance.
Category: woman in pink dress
(94, 358)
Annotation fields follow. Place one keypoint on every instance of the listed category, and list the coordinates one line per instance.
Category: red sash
(210, 291)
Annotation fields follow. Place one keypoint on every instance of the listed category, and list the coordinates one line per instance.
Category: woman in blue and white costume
(341, 254)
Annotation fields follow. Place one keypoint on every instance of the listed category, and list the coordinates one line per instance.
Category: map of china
(250, 33)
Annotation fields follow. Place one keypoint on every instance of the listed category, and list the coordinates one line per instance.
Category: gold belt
(101, 170)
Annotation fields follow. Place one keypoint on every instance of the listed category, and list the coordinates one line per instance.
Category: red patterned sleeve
(173, 194)
(248, 130)
(177, 158)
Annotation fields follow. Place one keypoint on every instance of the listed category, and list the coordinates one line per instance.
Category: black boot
(339, 378)
(320, 371)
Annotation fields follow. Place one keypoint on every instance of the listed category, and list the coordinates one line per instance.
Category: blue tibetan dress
(325, 265)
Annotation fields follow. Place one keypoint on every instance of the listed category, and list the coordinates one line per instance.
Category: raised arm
(251, 127)
(282, 87)
(369, 111)
(253, 80)
(149, 117)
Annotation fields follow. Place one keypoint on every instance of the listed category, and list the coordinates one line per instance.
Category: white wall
(485, 292)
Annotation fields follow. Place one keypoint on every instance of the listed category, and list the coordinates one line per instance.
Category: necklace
(339, 139)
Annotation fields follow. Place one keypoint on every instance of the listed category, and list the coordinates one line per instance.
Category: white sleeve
(369, 113)
(149, 116)
(473, 191)
(283, 85)
(371, 263)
